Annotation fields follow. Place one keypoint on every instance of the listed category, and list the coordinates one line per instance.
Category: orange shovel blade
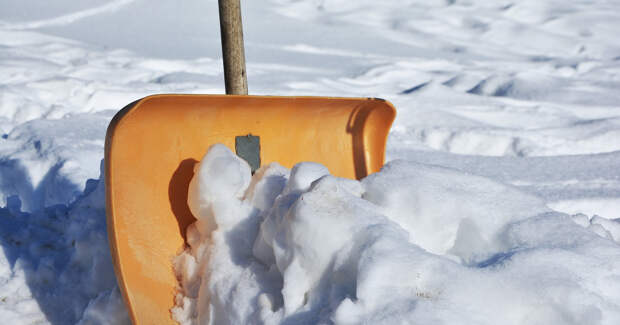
(153, 144)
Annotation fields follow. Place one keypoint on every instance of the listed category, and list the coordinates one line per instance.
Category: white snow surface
(413, 243)
(508, 117)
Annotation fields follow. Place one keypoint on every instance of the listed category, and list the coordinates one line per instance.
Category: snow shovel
(153, 143)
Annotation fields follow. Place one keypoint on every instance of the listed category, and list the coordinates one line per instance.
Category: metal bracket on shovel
(248, 148)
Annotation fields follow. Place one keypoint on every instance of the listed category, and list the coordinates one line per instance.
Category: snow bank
(413, 242)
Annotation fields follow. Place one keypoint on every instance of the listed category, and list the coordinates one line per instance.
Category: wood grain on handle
(233, 53)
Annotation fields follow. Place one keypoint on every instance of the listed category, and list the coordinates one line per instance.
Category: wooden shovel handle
(232, 47)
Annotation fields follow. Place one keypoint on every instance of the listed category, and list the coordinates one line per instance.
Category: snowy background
(524, 93)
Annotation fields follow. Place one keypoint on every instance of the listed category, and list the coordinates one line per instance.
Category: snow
(508, 116)
(411, 242)
(56, 265)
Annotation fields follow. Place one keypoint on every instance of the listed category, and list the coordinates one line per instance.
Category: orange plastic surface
(153, 144)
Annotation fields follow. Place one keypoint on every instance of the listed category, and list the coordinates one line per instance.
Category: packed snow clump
(413, 243)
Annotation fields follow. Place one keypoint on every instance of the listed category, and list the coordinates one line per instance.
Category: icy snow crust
(524, 93)
(413, 243)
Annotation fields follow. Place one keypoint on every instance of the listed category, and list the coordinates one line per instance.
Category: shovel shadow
(177, 194)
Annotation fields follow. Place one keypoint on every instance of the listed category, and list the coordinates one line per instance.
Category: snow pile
(56, 265)
(524, 93)
(413, 242)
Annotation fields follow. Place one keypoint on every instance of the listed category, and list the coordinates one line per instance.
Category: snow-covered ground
(524, 93)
